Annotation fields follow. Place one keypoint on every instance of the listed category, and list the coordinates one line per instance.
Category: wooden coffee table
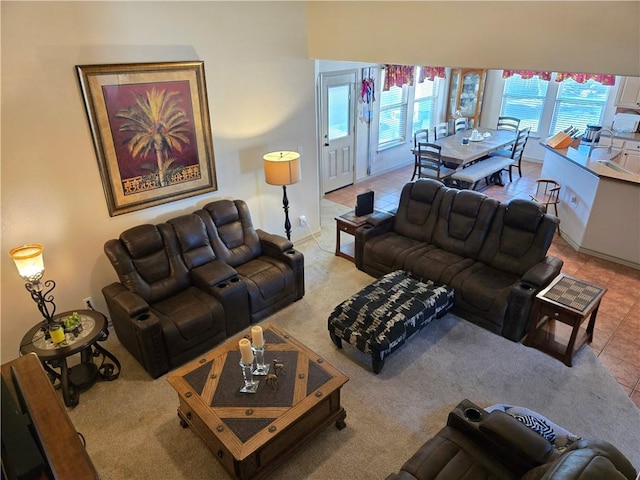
(251, 434)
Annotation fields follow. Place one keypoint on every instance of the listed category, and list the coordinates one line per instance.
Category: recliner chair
(272, 270)
(158, 315)
(476, 445)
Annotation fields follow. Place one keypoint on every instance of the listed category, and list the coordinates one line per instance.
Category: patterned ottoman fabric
(380, 317)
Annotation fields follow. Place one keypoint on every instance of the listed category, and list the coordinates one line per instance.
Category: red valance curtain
(585, 77)
(399, 75)
(527, 74)
(431, 73)
(578, 77)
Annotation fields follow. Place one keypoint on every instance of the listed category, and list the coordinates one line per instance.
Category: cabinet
(465, 94)
(630, 157)
(629, 93)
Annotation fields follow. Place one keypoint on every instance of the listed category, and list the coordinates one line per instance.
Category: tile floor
(617, 332)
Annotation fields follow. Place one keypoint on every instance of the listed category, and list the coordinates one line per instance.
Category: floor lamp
(282, 168)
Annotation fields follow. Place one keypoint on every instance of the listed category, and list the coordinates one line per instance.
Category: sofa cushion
(188, 318)
(464, 219)
(148, 263)
(231, 231)
(418, 208)
(389, 251)
(519, 237)
(452, 454)
(436, 264)
(193, 240)
(268, 280)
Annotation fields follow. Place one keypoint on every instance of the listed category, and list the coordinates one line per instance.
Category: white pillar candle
(245, 351)
(257, 337)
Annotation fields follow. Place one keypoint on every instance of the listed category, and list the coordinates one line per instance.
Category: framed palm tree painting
(151, 131)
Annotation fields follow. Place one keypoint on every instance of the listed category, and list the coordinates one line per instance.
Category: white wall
(260, 84)
(584, 36)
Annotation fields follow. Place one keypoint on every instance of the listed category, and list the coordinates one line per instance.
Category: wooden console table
(570, 301)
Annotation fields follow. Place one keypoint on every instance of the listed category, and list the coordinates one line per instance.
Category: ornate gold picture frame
(151, 132)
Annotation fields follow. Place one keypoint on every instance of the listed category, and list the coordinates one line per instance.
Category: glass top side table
(83, 339)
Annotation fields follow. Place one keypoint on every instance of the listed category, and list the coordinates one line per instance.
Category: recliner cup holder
(291, 252)
(142, 317)
(235, 280)
(472, 414)
(526, 286)
(222, 285)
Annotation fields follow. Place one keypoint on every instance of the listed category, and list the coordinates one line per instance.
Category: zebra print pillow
(559, 437)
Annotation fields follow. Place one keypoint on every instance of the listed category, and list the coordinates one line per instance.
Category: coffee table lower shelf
(265, 459)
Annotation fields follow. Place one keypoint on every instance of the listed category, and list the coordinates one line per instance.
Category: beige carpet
(132, 429)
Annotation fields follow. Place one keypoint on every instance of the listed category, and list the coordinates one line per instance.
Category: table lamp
(283, 168)
(30, 264)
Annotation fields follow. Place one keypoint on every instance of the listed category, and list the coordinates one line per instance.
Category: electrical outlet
(87, 303)
(303, 220)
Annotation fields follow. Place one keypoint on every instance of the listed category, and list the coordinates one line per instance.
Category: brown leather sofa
(494, 255)
(189, 283)
(476, 445)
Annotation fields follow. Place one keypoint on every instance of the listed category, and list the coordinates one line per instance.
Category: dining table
(454, 151)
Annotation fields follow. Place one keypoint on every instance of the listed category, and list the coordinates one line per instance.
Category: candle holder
(250, 385)
(260, 367)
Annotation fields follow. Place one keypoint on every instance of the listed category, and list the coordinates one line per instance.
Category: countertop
(593, 165)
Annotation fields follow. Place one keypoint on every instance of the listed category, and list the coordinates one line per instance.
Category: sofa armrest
(276, 246)
(273, 245)
(137, 328)
(516, 439)
(541, 274)
(222, 282)
(211, 274)
(377, 224)
(522, 295)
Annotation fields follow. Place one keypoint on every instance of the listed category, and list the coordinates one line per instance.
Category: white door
(337, 134)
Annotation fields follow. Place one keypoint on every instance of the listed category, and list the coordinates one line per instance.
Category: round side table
(82, 339)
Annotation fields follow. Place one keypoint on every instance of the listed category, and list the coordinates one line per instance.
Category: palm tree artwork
(157, 126)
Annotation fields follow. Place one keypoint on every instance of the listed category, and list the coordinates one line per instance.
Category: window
(424, 105)
(524, 99)
(579, 105)
(393, 116)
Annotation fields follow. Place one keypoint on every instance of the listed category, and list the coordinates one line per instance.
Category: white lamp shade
(29, 261)
(282, 168)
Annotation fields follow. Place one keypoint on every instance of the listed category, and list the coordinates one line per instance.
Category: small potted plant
(72, 323)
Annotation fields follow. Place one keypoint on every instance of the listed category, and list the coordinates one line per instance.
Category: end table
(348, 223)
(570, 301)
(83, 340)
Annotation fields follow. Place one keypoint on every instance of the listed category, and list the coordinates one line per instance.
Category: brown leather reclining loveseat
(189, 283)
(476, 445)
(494, 255)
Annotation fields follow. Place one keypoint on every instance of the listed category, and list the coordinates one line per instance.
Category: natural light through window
(524, 99)
(579, 105)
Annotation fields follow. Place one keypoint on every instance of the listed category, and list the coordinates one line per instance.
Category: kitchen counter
(599, 205)
(593, 164)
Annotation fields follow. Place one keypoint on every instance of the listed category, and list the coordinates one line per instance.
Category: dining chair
(418, 137)
(547, 193)
(441, 130)
(508, 123)
(460, 124)
(430, 162)
(518, 150)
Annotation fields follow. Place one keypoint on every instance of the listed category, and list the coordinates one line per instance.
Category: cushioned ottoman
(382, 316)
